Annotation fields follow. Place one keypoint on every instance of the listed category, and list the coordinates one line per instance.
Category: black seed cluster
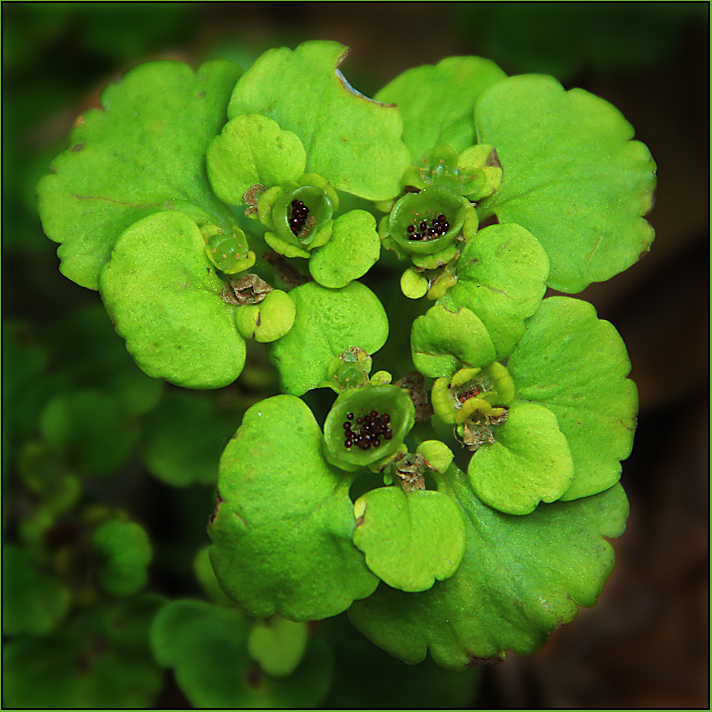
(373, 428)
(298, 218)
(424, 232)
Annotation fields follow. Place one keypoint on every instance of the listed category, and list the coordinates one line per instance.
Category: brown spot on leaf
(493, 160)
(218, 501)
(77, 147)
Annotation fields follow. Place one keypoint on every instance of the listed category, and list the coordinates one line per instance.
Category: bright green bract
(572, 177)
(594, 403)
(437, 101)
(280, 503)
(345, 134)
(501, 278)
(410, 539)
(164, 297)
(328, 322)
(474, 616)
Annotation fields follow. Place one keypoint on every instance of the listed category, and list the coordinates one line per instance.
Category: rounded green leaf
(575, 365)
(436, 101)
(356, 404)
(528, 463)
(413, 284)
(33, 602)
(90, 430)
(572, 177)
(351, 140)
(143, 151)
(283, 524)
(207, 647)
(163, 295)
(442, 341)
(252, 150)
(278, 645)
(353, 249)
(502, 278)
(124, 552)
(519, 580)
(410, 539)
(328, 323)
(268, 320)
(184, 438)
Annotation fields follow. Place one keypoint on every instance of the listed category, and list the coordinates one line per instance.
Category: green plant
(455, 500)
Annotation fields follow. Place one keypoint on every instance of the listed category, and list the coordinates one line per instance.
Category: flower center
(372, 427)
(424, 232)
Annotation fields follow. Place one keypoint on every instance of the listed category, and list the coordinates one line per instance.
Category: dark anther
(411, 228)
(349, 416)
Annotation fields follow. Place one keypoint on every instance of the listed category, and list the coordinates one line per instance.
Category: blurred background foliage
(92, 445)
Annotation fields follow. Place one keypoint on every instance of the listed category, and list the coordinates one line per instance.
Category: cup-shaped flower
(229, 253)
(431, 220)
(367, 424)
(471, 391)
(298, 214)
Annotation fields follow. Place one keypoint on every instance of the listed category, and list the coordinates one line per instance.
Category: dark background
(646, 644)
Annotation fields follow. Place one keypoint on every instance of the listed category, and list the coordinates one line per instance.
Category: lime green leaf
(33, 603)
(352, 141)
(143, 151)
(411, 539)
(253, 150)
(124, 552)
(502, 278)
(268, 320)
(207, 646)
(99, 660)
(283, 525)
(572, 177)
(528, 463)
(278, 645)
(367, 677)
(353, 249)
(184, 437)
(436, 101)
(328, 323)
(164, 298)
(594, 403)
(519, 580)
(90, 430)
(442, 341)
